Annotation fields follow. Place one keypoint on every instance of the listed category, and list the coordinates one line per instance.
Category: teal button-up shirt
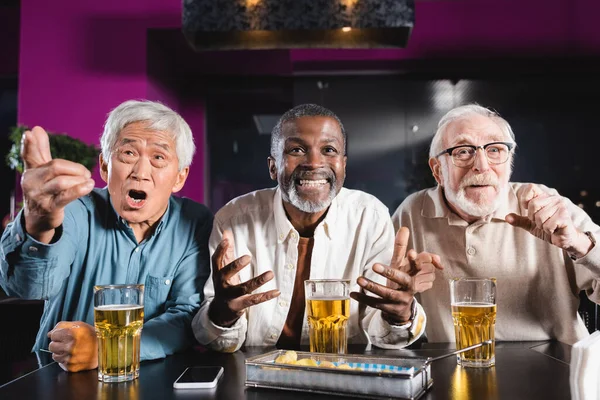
(95, 246)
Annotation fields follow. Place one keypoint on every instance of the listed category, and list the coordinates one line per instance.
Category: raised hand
(74, 346)
(232, 297)
(548, 218)
(48, 185)
(407, 274)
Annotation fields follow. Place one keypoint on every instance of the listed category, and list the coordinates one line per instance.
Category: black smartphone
(198, 378)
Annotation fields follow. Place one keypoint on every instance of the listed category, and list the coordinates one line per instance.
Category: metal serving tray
(379, 377)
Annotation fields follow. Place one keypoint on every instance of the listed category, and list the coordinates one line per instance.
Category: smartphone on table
(198, 377)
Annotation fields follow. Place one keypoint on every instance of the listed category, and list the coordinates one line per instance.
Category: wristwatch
(592, 239)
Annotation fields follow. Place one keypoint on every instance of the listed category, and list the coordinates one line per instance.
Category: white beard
(291, 196)
(460, 200)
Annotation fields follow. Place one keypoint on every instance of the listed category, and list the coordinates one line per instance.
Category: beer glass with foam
(327, 311)
(473, 303)
(118, 319)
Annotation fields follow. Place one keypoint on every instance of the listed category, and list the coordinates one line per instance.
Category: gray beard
(469, 207)
(290, 194)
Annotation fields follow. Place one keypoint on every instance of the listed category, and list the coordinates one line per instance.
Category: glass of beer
(474, 314)
(118, 319)
(328, 310)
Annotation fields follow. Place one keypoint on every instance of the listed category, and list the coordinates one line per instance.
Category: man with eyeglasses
(538, 244)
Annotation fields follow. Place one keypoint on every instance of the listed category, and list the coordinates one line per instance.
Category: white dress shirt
(355, 234)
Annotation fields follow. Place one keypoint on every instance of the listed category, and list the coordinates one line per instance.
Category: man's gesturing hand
(549, 219)
(232, 296)
(407, 274)
(48, 185)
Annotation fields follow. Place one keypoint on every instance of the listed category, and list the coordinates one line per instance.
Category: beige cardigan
(538, 284)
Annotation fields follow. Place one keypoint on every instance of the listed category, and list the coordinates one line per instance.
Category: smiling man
(70, 237)
(538, 244)
(309, 227)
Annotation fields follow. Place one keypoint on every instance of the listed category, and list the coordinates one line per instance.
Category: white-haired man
(309, 226)
(70, 236)
(538, 244)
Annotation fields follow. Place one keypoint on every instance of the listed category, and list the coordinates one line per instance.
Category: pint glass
(118, 319)
(473, 303)
(328, 310)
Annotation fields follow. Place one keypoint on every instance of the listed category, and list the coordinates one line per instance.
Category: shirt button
(168, 281)
(281, 236)
(33, 248)
(273, 336)
(290, 266)
(137, 249)
(283, 303)
(293, 235)
(471, 251)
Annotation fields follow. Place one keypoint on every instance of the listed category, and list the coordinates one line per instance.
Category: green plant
(61, 146)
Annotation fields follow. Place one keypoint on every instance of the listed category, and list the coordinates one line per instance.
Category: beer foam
(329, 298)
(118, 307)
(473, 304)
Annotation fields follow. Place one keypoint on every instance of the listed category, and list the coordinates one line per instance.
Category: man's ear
(272, 168)
(436, 170)
(181, 178)
(103, 168)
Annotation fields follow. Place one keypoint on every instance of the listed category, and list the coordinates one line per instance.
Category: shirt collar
(434, 206)
(161, 224)
(284, 226)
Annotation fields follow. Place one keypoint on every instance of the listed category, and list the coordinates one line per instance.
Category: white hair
(462, 112)
(159, 117)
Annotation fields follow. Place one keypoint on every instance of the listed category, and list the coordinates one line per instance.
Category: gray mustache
(480, 180)
(313, 175)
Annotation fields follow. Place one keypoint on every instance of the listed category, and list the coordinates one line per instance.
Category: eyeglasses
(463, 156)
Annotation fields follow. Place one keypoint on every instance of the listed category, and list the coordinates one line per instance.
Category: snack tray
(374, 377)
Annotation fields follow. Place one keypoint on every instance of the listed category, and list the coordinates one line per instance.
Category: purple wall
(474, 28)
(82, 58)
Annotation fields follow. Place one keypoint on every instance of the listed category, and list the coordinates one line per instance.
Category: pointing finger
(229, 255)
(400, 245)
(437, 261)
(35, 148)
(520, 222)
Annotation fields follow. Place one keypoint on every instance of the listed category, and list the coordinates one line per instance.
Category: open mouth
(136, 198)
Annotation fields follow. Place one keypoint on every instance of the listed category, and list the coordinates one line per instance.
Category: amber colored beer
(327, 321)
(119, 329)
(473, 324)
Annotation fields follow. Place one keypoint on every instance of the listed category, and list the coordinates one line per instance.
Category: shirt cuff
(30, 247)
(217, 337)
(591, 260)
(388, 336)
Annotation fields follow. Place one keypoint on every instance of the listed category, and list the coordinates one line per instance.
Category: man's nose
(481, 162)
(314, 159)
(141, 169)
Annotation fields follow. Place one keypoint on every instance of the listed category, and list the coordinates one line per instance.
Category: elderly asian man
(71, 236)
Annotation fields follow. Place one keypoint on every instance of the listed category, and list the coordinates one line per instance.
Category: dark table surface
(524, 370)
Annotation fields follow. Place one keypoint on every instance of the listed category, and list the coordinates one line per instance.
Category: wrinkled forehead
(475, 130)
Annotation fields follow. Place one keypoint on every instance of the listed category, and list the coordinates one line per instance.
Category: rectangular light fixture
(284, 24)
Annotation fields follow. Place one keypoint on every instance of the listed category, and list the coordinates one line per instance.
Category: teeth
(136, 200)
(308, 182)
